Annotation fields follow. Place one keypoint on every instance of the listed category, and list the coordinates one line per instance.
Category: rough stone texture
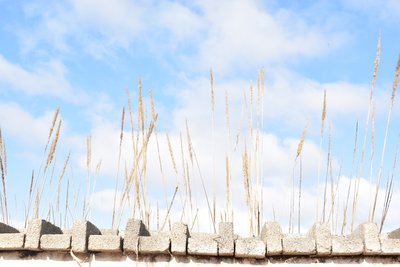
(109, 231)
(179, 238)
(81, 230)
(390, 246)
(226, 242)
(251, 247)
(36, 228)
(134, 229)
(323, 238)
(104, 243)
(12, 241)
(369, 233)
(154, 244)
(347, 245)
(7, 229)
(298, 245)
(271, 234)
(59, 242)
(203, 244)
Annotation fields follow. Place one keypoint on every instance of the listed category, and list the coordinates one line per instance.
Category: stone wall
(43, 243)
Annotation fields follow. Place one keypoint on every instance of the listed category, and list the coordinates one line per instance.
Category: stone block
(36, 228)
(81, 230)
(154, 244)
(394, 234)
(179, 238)
(203, 244)
(109, 231)
(271, 235)
(134, 229)
(369, 234)
(321, 233)
(390, 246)
(226, 242)
(298, 245)
(12, 241)
(59, 242)
(251, 247)
(347, 245)
(104, 243)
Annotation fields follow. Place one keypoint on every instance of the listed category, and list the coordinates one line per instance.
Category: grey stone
(203, 244)
(134, 229)
(226, 243)
(394, 234)
(104, 243)
(271, 234)
(154, 244)
(59, 242)
(369, 233)
(298, 245)
(347, 245)
(179, 238)
(12, 241)
(323, 238)
(81, 230)
(36, 228)
(7, 229)
(251, 247)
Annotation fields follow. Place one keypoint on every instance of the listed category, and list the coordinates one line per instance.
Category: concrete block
(134, 229)
(390, 246)
(36, 228)
(154, 244)
(251, 247)
(179, 238)
(347, 245)
(321, 233)
(104, 243)
(369, 234)
(226, 243)
(7, 229)
(271, 235)
(12, 241)
(81, 230)
(203, 244)
(298, 245)
(109, 231)
(59, 242)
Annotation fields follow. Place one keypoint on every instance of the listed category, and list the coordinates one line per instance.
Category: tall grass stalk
(323, 117)
(359, 173)
(394, 88)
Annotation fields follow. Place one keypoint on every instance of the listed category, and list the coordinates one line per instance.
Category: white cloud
(45, 79)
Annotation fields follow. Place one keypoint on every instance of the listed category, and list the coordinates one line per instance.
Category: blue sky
(81, 56)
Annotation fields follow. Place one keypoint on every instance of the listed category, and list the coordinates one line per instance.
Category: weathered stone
(134, 229)
(58, 242)
(271, 234)
(36, 228)
(109, 231)
(298, 245)
(104, 243)
(154, 244)
(226, 243)
(12, 241)
(369, 234)
(394, 234)
(203, 244)
(251, 247)
(179, 238)
(321, 233)
(81, 230)
(347, 245)
(390, 246)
